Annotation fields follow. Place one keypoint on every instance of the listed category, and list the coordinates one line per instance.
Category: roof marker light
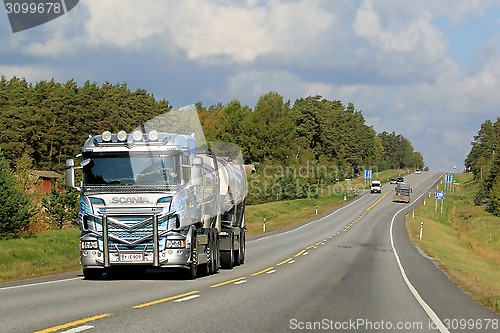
(122, 136)
(137, 135)
(106, 136)
(153, 135)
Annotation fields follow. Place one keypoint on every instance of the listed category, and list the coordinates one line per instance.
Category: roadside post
(421, 228)
(264, 226)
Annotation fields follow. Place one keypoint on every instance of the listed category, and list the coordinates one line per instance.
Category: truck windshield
(132, 170)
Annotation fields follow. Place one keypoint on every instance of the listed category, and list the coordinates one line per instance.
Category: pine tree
(15, 211)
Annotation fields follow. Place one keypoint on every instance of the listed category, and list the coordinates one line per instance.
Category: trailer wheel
(213, 263)
(242, 247)
(227, 257)
(216, 256)
(239, 254)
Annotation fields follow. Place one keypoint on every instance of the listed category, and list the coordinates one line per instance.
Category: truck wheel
(227, 257)
(216, 256)
(210, 253)
(192, 271)
(236, 257)
(213, 263)
(93, 273)
(206, 269)
(242, 247)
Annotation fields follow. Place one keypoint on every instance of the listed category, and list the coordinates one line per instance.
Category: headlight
(137, 135)
(153, 135)
(89, 245)
(175, 243)
(106, 136)
(122, 136)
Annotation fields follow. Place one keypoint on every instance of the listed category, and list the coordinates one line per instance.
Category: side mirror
(196, 175)
(70, 173)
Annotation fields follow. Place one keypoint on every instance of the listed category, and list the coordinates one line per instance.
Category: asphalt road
(354, 270)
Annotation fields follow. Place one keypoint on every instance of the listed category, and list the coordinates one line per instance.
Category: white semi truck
(153, 200)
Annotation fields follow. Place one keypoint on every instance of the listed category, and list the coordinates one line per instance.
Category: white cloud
(387, 57)
(205, 30)
(125, 23)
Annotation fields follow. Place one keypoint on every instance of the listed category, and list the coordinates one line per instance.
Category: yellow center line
(227, 282)
(310, 247)
(140, 306)
(300, 253)
(284, 261)
(74, 323)
(365, 212)
(262, 271)
(318, 243)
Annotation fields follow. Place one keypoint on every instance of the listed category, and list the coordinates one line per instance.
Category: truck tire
(239, 254)
(213, 264)
(227, 256)
(93, 273)
(216, 260)
(207, 268)
(192, 271)
(242, 246)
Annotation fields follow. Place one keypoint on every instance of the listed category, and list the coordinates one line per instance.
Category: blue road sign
(440, 195)
(368, 174)
(449, 178)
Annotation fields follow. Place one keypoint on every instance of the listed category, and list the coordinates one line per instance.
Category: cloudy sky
(429, 70)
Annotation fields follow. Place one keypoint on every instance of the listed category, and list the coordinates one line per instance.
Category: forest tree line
(43, 124)
(50, 121)
(483, 161)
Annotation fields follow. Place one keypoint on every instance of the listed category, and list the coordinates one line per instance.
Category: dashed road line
(262, 271)
(227, 282)
(73, 323)
(171, 298)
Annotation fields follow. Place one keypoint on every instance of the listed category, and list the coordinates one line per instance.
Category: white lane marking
(186, 298)
(41, 283)
(240, 282)
(291, 261)
(78, 329)
(271, 271)
(432, 315)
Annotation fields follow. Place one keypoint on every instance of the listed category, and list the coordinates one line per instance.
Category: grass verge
(43, 254)
(464, 240)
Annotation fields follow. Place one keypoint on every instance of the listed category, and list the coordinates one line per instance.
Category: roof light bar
(122, 136)
(106, 136)
(137, 136)
(153, 135)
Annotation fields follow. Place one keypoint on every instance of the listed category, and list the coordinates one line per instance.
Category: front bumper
(167, 258)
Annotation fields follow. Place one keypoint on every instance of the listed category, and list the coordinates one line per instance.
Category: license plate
(131, 257)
